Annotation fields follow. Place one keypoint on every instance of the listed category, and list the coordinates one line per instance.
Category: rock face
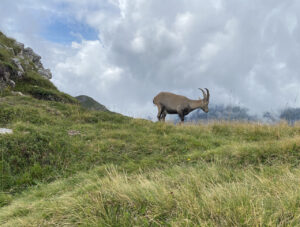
(15, 59)
(5, 77)
(36, 59)
(45, 73)
(17, 63)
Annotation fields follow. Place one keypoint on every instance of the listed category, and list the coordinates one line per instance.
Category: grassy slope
(65, 165)
(123, 171)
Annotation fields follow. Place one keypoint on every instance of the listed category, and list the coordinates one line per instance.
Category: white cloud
(87, 68)
(184, 21)
(138, 44)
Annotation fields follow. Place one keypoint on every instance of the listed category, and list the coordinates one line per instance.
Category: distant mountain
(291, 115)
(221, 112)
(90, 103)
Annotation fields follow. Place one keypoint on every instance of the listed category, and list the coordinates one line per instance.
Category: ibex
(170, 103)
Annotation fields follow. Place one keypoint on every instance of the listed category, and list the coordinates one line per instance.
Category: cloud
(89, 68)
(246, 53)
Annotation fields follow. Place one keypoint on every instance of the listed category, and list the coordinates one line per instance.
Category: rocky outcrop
(36, 59)
(5, 77)
(45, 73)
(17, 62)
(15, 59)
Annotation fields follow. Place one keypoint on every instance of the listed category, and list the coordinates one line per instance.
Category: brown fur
(169, 103)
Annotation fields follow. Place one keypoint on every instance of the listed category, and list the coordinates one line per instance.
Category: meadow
(119, 171)
(65, 165)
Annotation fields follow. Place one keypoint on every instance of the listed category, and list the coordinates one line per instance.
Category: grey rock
(20, 45)
(73, 133)
(17, 93)
(17, 62)
(23, 57)
(5, 79)
(46, 73)
(20, 74)
(6, 75)
(6, 131)
(11, 83)
(39, 65)
(36, 59)
(28, 52)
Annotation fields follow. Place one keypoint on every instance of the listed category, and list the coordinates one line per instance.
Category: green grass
(41, 88)
(205, 194)
(65, 165)
(120, 171)
(9, 42)
(4, 55)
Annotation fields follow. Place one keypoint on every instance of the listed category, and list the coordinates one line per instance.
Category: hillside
(90, 103)
(65, 165)
(21, 70)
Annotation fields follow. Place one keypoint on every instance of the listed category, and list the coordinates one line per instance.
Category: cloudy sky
(123, 52)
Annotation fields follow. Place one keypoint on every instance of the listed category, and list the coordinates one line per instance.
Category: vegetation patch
(41, 88)
(9, 42)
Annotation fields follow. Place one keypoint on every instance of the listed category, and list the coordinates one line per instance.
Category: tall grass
(200, 195)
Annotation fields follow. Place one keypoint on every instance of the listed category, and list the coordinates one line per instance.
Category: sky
(123, 52)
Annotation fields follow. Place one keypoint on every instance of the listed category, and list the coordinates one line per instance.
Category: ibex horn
(207, 94)
(204, 95)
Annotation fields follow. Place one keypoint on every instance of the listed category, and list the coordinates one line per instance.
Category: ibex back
(169, 103)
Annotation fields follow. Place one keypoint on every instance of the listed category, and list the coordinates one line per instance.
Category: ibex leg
(163, 115)
(159, 112)
(181, 115)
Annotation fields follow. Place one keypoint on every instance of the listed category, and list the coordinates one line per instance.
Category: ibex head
(205, 100)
